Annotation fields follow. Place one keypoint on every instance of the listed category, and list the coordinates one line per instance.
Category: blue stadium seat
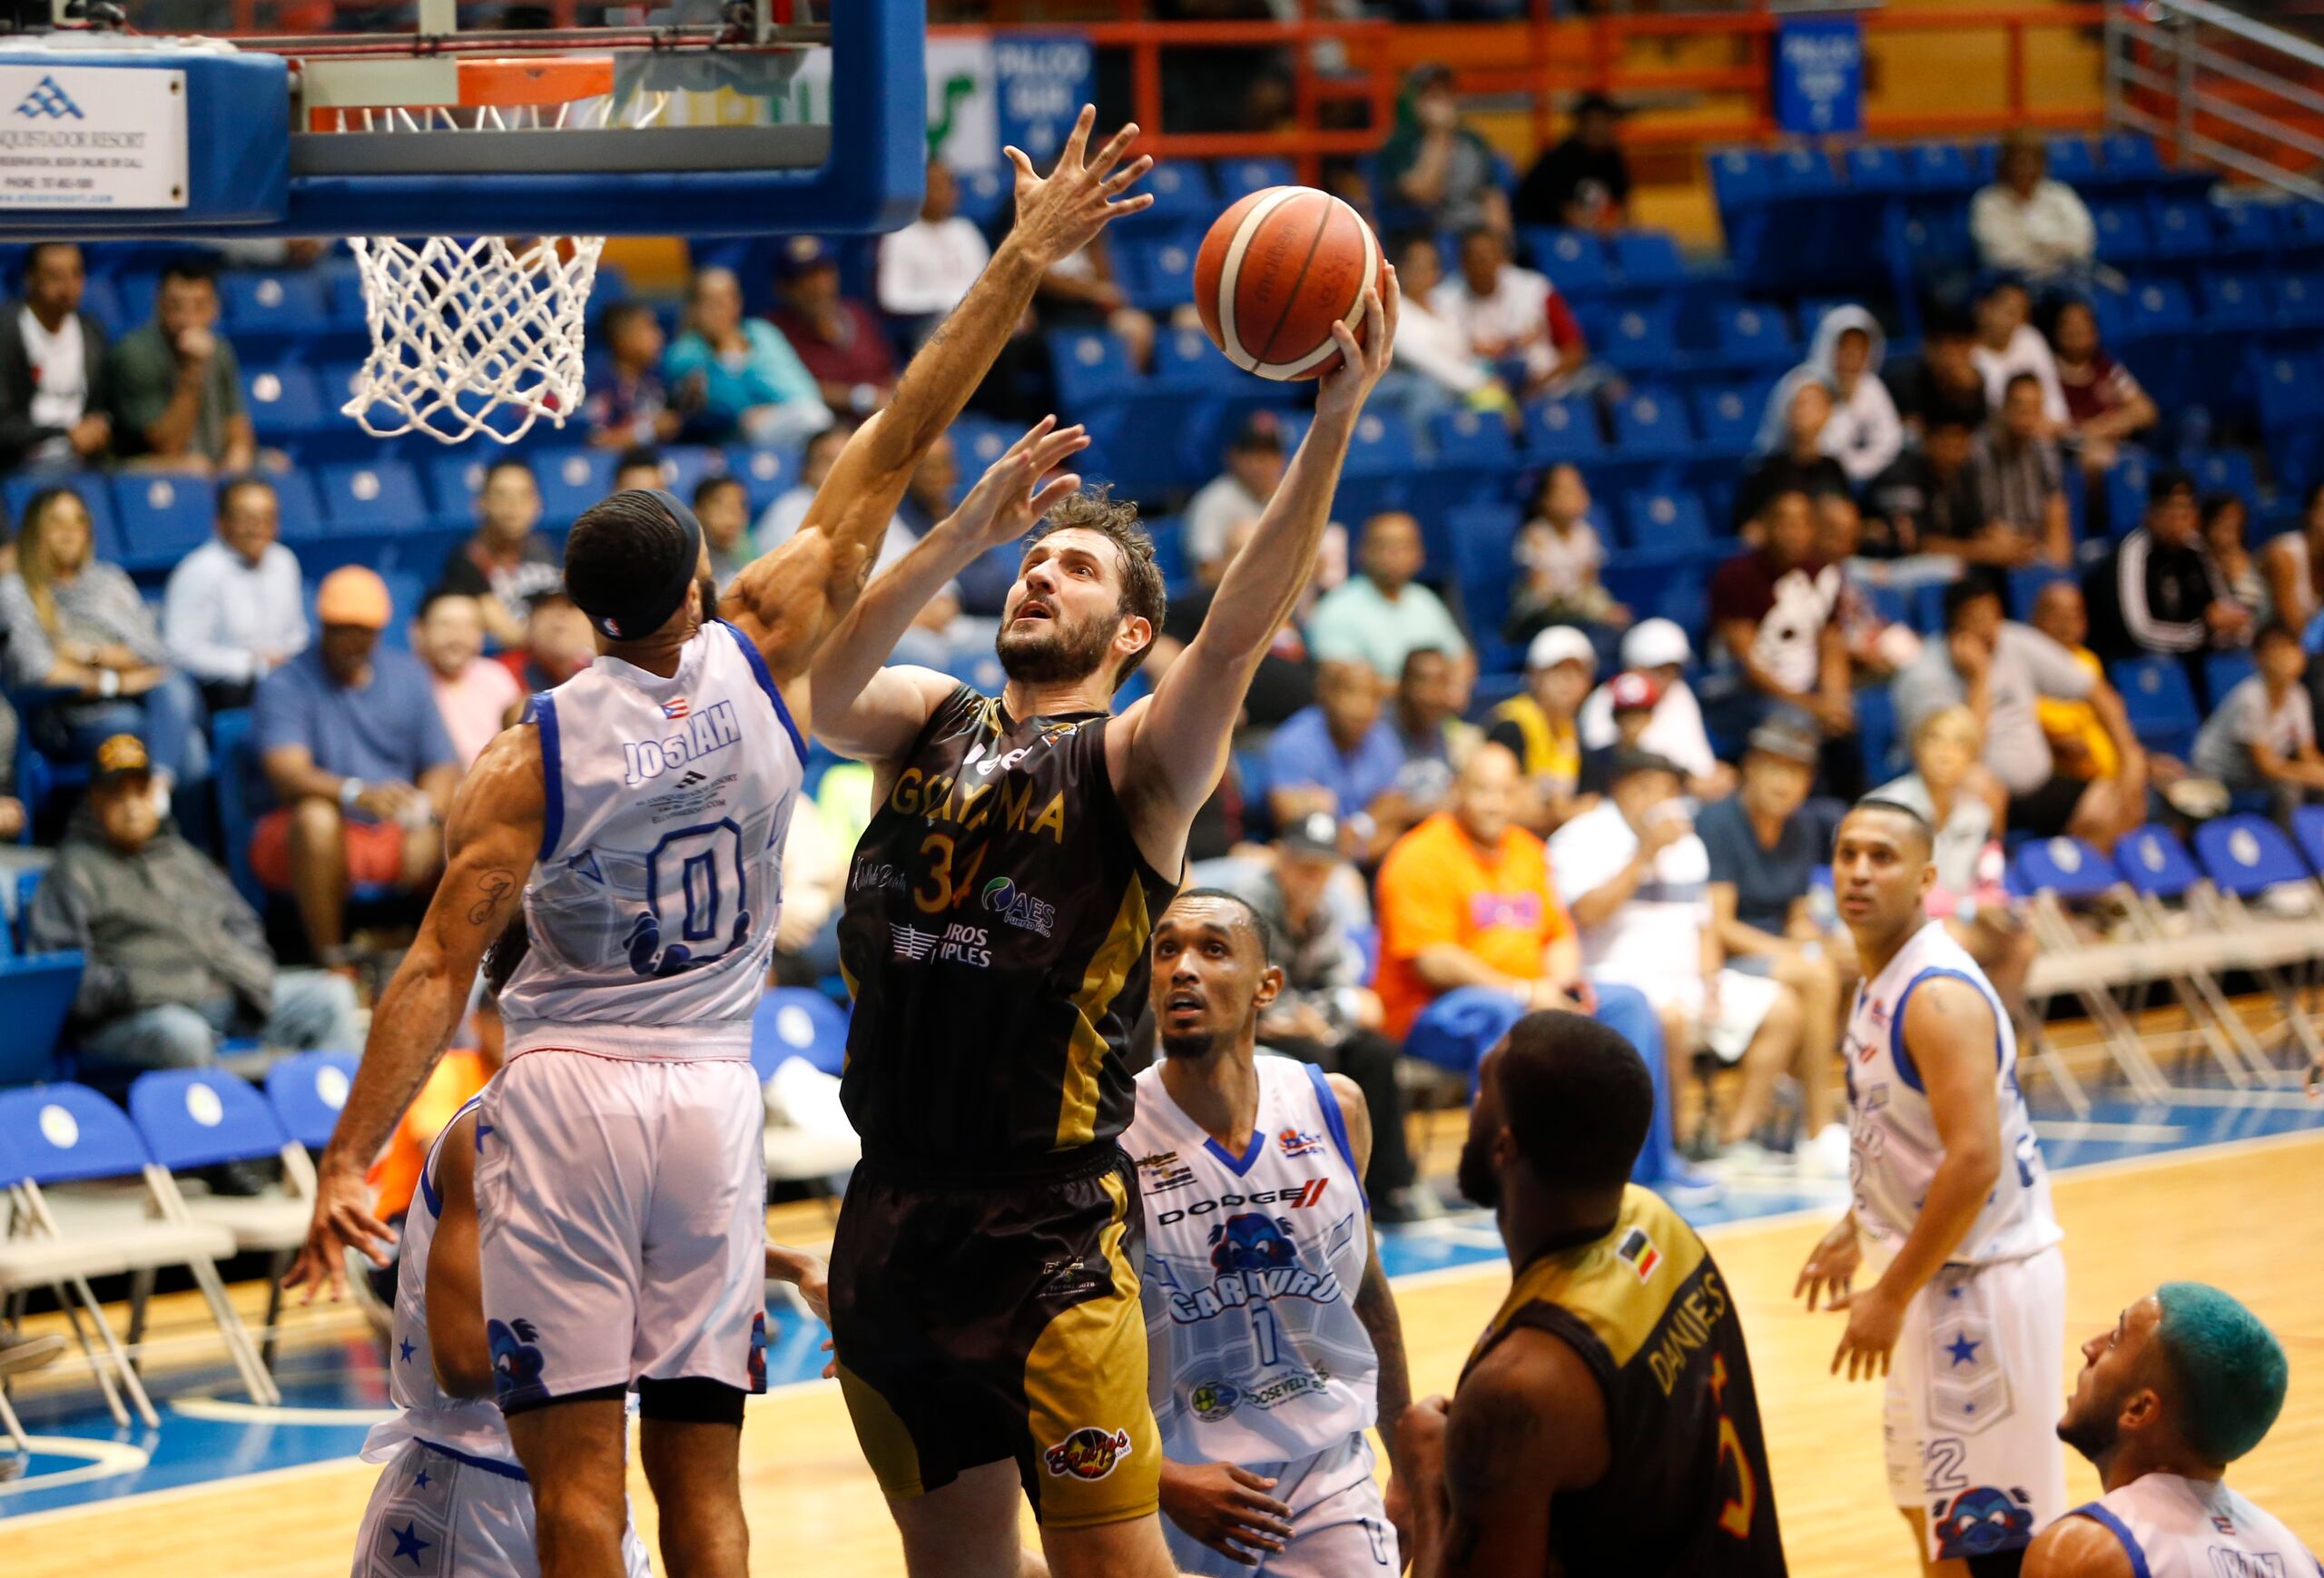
(1380, 446)
(1182, 199)
(1091, 367)
(2068, 867)
(2183, 228)
(1799, 172)
(978, 441)
(2159, 701)
(1473, 441)
(1643, 338)
(2072, 160)
(1649, 256)
(1877, 168)
(90, 486)
(1876, 733)
(2223, 671)
(684, 466)
(36, 993)
(284, 402)
(1238, 178)
(1168, 533)
(307, 1091)
(271, 308)
(2245, 228)
(380, 497)
(2289, 387)
(2307, 829)
(2300, 228)
(979, 668)
(572, 482)
(2160, 307)
(2299, 303)
(100, 302)
(798, 1021)
(766, 474)
(1562, 429)
(2129, 153)
(2238, 302)
(1750, 330)
(2246, 854)
(163, 518)
(196, 1117)
(454, 480)
(2123, 234)
(1940, 167)
(1740, 177)
(1456, 1030)
(2227, 471)
(300, 509)
(2155, 862)
(1186, 359)
(1729, 420)
(1574, 260)
(1160, 276)
(1650, 424)
(1664, 524)
(984, 195)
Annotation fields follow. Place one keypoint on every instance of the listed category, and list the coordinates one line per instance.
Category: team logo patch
(2223, 1524)
(1251, 1243)
(1637, 1251)
(516, 1361)
(1213, 1400)
(1295, 1143)
(675, 708)
(1980, 1522)
(1090, 1453)
(1166, 1172)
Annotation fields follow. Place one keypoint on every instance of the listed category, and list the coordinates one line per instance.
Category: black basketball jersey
(1686, 1490)
(995, 939)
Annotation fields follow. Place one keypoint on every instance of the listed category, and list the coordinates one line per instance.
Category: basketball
(1276, 271)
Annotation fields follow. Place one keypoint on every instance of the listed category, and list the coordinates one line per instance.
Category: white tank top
(1252, 1266)
(652, 903)
(1893, 1150)
(2175, 1527)
(469, 1426)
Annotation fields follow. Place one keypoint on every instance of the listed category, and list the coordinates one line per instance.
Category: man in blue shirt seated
(1339, 756)
(357, 755)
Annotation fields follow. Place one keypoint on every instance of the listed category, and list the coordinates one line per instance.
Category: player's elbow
(464, 1374)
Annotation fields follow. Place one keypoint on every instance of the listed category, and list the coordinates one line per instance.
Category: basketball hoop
(465, 329)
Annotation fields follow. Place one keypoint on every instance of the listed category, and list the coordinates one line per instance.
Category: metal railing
(2219, 87)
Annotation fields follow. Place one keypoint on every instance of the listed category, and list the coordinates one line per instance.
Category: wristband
(108, 683)
(351, 790)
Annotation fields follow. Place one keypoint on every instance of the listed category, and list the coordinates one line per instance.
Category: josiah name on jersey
(707, 731)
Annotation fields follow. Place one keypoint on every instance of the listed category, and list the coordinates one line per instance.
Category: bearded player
(984, 1281)
(637, 819)
(1966, 1317)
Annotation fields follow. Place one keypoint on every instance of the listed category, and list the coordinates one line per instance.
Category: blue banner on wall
(1819, 75)
(1043, 79)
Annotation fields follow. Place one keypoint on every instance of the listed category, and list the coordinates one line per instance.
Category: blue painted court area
(332, 1396)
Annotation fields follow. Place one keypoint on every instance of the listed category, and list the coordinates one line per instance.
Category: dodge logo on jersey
(1090, 1452)
(710, 731)
(1298, 1198)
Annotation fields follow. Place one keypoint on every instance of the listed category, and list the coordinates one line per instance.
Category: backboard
(465, 118)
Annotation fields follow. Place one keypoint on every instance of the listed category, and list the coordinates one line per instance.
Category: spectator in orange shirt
(1466, 901)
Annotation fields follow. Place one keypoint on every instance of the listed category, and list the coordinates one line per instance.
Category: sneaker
(1826, 1154)
(1684, 1184)
(19, 1354)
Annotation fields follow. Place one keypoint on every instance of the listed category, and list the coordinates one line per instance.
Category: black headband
(644, 609)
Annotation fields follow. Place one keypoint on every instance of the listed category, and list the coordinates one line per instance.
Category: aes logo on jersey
(1090, 1452)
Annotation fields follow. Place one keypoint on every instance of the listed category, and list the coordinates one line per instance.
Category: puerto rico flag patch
(1639, 1252)
(674, 709)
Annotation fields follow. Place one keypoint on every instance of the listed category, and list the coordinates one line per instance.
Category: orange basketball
(1276, 271)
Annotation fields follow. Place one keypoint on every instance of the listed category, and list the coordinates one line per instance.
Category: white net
(472, 337)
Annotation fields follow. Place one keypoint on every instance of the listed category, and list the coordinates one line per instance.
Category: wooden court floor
(2243, 1218)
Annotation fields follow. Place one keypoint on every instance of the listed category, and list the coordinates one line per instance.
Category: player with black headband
(637, 817)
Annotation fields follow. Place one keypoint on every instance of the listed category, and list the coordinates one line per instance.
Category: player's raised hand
(342, 1220)
(1060, 215)
(1342, 392)
(1831, 1266)
(1010, 496)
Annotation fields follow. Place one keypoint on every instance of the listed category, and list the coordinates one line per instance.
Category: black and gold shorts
(977, 1320)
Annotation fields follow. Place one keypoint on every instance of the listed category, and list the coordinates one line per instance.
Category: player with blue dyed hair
(2186, 1382)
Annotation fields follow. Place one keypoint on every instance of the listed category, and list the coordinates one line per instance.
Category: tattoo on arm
(493, 887)
(1491, 1431)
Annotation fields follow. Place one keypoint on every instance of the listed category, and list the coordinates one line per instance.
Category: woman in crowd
(1863, 433)
(76, 625)
(2105, 406)
(2225, 522)
(740, 373)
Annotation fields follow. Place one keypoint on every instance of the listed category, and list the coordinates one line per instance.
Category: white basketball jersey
(1893, 1150)
(469, 1426)
(652, 903)
(2173, 1528)
(1252, 1266)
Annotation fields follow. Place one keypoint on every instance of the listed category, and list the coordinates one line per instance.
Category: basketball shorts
(440, 1514)
(622, 1214)
(981, 1320)
(1971, 1414)
(1340, 1527)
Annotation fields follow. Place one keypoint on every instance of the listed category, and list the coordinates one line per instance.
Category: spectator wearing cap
(1537, 725)
(557, 643)
(1771, 612)
(1631, 697)
(1434, 162)
(173, 959)
(173, 386)
(1658, 649)
(1582, 183)
(722, 505)
(1312, 901)
(1511, 315)
(507, 561)
(928, 266)
(1635, 879)
(52, 354)
(1999, 670)
(358, 760)
(1764, 842)
(1560, 553)
(630, 404)
(839, 340)
(2027, 223)
(739, 376)
(2157, 591)
(2261, 737)
(473, 695)
(1339, 756)
(1236, 495)
(2022, 483)
(234, 611)
(1382, 614)
(77, 628)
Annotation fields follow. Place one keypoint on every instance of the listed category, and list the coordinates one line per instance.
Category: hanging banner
(1819, 75)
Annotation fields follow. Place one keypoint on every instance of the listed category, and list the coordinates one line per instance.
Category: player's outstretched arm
(456, 1339)
(2076, 1548)
(1529, 1421)
(1950, 1033)
(871, 712)
(1175, 742)
(787, 600)
(492, 837)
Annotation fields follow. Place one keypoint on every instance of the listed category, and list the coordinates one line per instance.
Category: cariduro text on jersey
(707, 731)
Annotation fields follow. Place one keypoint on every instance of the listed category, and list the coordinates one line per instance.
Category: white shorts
(434, 1514)
(1339, 1527)
(1971, 1415)
(1744, 1001)
(622, 1215)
